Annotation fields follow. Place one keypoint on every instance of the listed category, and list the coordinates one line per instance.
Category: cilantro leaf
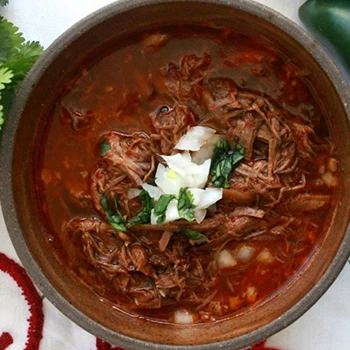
(195, 236)
(114, 217)
(144, 216)
(185, 205)
(10, 39)
(5, 77)
(224, 160)
(4, 2)
(104, 147)
(161, 207)
(16, 58)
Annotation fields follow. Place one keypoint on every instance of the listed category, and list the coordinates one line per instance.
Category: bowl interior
(30, 114)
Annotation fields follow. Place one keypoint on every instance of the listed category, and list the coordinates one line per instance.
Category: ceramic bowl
(20, 209)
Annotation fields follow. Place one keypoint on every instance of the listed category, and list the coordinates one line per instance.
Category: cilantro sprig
(224, 160)
(185, 205)
(195, 237)
(161, 207)
(16, 58)
(114, 217)
(144, 215)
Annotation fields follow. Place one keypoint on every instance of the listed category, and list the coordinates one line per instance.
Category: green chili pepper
(329, 22)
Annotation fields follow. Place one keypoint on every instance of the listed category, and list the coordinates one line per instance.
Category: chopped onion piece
(154, 191)
(265, 256)
(181, 173)
(245, 253)
(180, 162)
(172, 213)
(251, 294)
(332, 165)
(225, 259)
(199, 215)
(169, 183)
(183, 317)
(195, 138)
(133, 193)
(210, 196)
(207, 150)
(198, 175)
(329, 179)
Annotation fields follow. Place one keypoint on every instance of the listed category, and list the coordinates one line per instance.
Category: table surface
(326, 326)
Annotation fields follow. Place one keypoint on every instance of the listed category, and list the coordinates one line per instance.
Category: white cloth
(326, 326)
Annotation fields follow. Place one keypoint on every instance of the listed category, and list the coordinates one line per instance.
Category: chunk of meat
(305, 202)
(170, 125)
(143, 292)
(183, 81)
(236, 196)
(248, 211)
(99, 242)
(245, 132)
(133, 155)
(75, 119)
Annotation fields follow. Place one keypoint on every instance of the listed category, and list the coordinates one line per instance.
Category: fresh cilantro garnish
(143, 217)
(224, 160)
(114, 217)
(16, 58)
(161, 207)
(185, 205)
(4, 2)
(194, 236)
(104, 147)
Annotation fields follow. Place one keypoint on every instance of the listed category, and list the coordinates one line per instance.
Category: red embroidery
(260, 346)
(102, 345)
(5, 340)
(36, 318)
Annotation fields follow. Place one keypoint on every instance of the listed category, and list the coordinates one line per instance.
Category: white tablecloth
(326, 326)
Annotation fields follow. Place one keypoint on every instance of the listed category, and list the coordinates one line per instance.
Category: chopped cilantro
(195, 236)
(161, 207)
(104, 147)
(143, 217)
(224, 160)
(114, 217)
(185, 205)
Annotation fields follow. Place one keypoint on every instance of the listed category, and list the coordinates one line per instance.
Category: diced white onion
(332, 165)
(265, 256)
(329, 179)
(199, 215)
(183, 317)
(210, 196)
(245, 253)
(154, 191)
(225, 259)
(133, 193)
(180, 162)
(168, 182)
(195, 138)
(172, 213)
(207, 150)
(197, 175)
(251, 294)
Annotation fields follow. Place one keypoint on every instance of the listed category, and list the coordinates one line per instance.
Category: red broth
(112, 122)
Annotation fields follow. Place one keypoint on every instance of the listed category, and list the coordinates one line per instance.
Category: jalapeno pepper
(329, 22)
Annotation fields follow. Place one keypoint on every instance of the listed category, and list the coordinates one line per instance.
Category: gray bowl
(24, 126)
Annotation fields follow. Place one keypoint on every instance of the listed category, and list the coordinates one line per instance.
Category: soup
(186, 174)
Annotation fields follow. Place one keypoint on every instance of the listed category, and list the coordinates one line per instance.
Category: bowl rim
(7, 201)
